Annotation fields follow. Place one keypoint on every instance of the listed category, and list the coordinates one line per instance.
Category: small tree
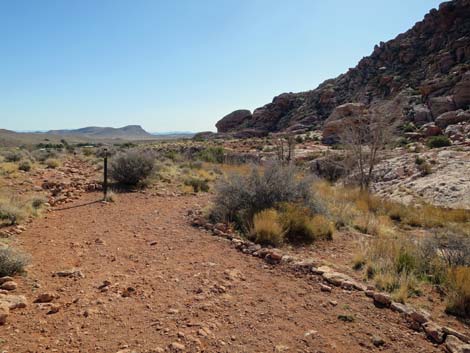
(364, 138)
(285, 148)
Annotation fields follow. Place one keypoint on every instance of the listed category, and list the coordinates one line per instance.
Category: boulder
(434, 332)
(454, 345)
(421, 114)
(440, 105)
(453, 117)
(430, 129)
(45, 297)
(330, 168)
(347, 110)
(233, 121)
(13, 301)
(462, 92)
(4, 312)
(382, 299)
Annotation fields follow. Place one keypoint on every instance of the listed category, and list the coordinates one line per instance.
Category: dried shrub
(12, 156)
(297, 221)
(10, 212)
(132, 167)
(52, 163)
(238, 198)
(24, 166)
(197, 184)
(12, 262)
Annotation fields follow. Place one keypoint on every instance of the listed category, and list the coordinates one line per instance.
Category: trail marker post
(105, 172)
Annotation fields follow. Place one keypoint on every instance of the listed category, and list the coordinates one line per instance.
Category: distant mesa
(126, 132)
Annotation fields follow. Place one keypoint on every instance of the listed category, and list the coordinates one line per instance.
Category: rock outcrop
(418, 76)
(233, 120)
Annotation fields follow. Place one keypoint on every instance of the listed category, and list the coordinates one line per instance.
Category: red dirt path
(186, 287)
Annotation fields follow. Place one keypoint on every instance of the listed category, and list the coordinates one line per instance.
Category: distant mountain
(130, 132)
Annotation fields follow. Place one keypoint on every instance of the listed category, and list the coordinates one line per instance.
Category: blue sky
(177, 64)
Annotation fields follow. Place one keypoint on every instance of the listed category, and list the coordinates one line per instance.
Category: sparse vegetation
(239, 198)
(198, 184)
(132, 167)
(12, 262)
(459, 293)
(438, 141)
(13, 156)
(52, 163)
(11, 211)
(24, 166)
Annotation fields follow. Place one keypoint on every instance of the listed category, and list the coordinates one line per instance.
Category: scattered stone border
(417, 319)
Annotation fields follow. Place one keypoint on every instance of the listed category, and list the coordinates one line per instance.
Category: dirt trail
(171, 285)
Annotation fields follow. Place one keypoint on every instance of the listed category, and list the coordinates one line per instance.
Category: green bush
(212, 155)
(132, 167)
(438, 141)
(12, 262)
(197, 184)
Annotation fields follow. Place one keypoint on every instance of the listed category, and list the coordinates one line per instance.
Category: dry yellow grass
(373, 215)
(459, 295)
(267, 228)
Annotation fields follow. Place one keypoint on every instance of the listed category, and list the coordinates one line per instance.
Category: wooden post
(105, 179)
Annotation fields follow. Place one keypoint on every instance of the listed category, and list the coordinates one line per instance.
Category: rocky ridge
(417, 77)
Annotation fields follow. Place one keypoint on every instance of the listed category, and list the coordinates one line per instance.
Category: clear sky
(177, 64)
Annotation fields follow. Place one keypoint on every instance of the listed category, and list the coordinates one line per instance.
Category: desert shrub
(43, 154)
(197, 184)
(425, 168)
(37, 202)
(438, 141)
(12, 156)
(297, 222)
(458, 302)
(238, 198)
(24, 166)
(87, 151)
(452, 248)
(322, 227)
(132, 167)
(419, 160)
(12, 262)
(101, 152)
(195, 165)
(409, 127)
(212, 155)
(267, 229)
(52, 163)
(10, 212)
